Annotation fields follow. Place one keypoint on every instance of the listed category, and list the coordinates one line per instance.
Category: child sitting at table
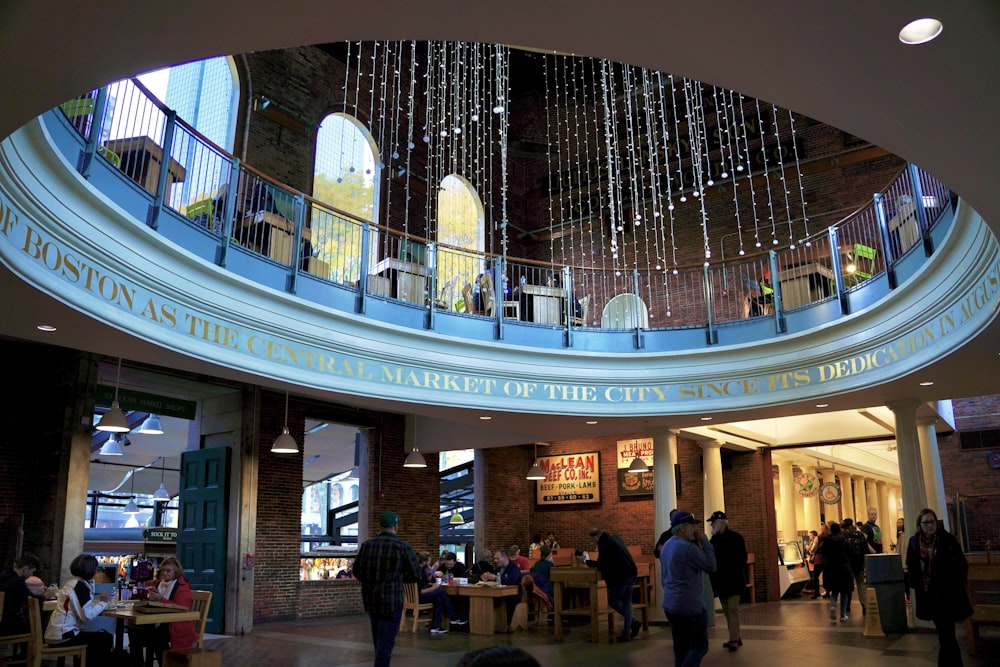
(76, 605)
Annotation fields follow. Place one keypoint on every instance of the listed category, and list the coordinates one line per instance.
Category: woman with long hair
(937, 569)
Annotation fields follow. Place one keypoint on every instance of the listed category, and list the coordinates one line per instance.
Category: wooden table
(804, 284)
(543, 304)
(487, 607)
(141, 158)
(408, 281)
(125, 611)
(270, 234)
(589, 579)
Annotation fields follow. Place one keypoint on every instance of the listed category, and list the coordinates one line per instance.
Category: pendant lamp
(112, 447)
(131, 508)
(151, 426)
(638, 465)
(456, 518)
(415, 460)
(285, 443)
(536, 473)
(114, 420)
(161, 495)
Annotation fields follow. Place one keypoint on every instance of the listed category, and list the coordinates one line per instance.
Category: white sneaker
(438, 631)
(459, 621)
(843, 618)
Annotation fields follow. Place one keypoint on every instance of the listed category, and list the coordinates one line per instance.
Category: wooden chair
(411, 602)
(486, 295)
(38, 650)
(14, 641)
(445, 298)
(470, 303)
(584, 307)
(200, 602)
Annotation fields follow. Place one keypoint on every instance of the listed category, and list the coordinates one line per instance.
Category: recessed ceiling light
(592, 421)
(45, 327)
(822, 405)
(485, 418)
(926, 384)
(706, 419)
(920, 31)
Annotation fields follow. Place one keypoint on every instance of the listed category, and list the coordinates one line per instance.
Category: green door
(202, 534)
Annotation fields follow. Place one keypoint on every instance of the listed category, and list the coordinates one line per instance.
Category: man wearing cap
(618, 571)
(729, 579)
(683, 559)
(384, 562)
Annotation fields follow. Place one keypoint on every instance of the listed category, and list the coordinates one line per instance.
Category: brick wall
(513, 517)
(968, 474)
(334, 597)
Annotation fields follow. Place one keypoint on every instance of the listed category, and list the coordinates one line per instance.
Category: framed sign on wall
(635, 483)
(569, 479)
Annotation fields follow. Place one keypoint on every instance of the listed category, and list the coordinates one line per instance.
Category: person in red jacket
(170, 587)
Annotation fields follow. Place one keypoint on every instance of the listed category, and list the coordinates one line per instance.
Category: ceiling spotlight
(926, 384)
(47, 328)
(415, 460)
(151, 426)
(706, 419)
(114, 420)
(485, 418)
(592, 422)
(285, 443)
(822, 405)
(920, 31)
(456, 518)
(112, 447)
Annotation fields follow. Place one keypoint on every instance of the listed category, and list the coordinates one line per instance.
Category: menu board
(569, 479)
(635, 483)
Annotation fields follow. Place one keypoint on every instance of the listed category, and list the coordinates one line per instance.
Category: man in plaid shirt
(384, 562)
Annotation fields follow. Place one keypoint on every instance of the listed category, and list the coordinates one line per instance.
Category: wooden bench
(983, 587)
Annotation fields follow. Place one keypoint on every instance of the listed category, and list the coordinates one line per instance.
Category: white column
(860, 500)
(810, 506)
(847, 499)
(715, 497)
(779, 524)
(911, 475)
(786, 481)
(886, 518)
(931, 459)
(664, 483)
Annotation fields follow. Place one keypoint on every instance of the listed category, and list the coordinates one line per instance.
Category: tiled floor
(775, 634)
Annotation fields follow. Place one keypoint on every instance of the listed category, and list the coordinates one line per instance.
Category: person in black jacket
(937, 570)
(838, 578)
(729, 579)
(15, 603)
(619, 571)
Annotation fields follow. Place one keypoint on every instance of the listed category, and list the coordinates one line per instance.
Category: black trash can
(885, 575)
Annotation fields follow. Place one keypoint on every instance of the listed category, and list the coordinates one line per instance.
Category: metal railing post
(780, 326)
(228, 215)
(153, 216)
(883, 232)
(569, 310)
(300, 221)
(838, 271)
(86, 159)
(431, 283)
(363, 277)
(918, 195)
(498, 268)
(711, 335)
(638, 323)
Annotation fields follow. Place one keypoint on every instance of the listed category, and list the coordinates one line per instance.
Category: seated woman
(540, 570)
(170, 587)
(76, 605)
(432, 593)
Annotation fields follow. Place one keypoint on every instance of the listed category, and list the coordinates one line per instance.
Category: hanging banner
(829, 493)
(807, 485)
(569, 479)
(635, 483)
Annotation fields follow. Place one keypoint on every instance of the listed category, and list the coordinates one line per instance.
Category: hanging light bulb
(161, 495)
(114, 420)
(535, 472)
(112, 447)
(415, 460)
(151, 426)
(131, 507)
(637, 465)
(285, 443)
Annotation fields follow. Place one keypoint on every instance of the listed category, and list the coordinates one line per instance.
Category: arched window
(344, 176)
(460, 225)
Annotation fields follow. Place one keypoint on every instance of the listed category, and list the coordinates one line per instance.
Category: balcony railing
(306, 236)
